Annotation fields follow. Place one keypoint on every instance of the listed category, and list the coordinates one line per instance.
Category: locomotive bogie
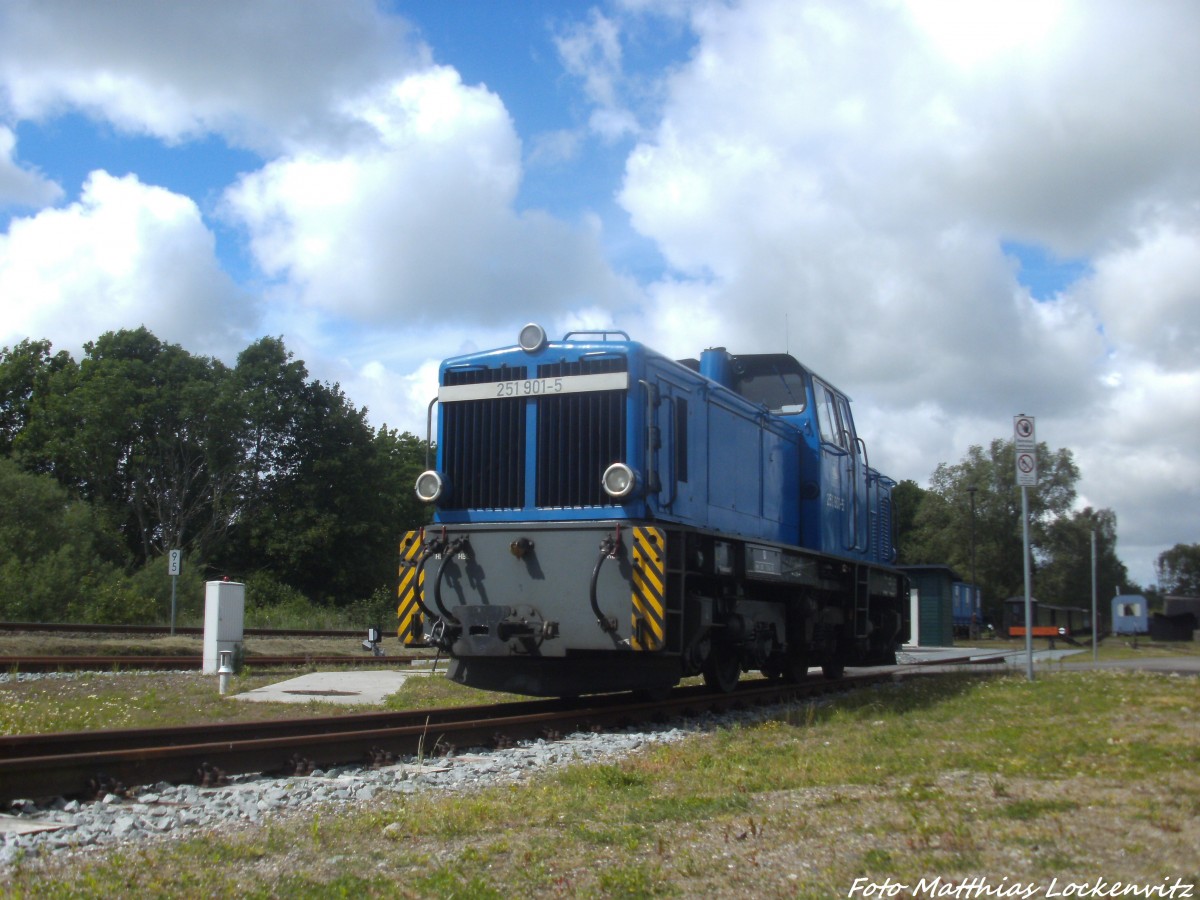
(536, 609)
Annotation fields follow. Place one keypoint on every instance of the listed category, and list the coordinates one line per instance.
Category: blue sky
(960, 211)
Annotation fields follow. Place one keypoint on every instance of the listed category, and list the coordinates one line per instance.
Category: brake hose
(430, 550)
(455, 545)
(608, 548)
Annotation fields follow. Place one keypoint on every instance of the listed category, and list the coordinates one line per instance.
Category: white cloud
(851, 174)
(591, 51)
(835, 179)
(1148, 294)
(263, 74)
(124, 255)
(19, 185)
(417, 224)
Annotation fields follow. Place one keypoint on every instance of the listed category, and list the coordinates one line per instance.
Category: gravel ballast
(166, 811)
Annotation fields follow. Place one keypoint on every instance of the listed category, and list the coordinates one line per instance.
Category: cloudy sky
(955, 210)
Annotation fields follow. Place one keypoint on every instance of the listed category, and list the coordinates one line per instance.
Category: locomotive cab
(609, 519)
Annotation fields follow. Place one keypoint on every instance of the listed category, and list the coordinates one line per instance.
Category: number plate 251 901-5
(534, 387)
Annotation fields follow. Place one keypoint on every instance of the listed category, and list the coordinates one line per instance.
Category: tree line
(976, 503)
(262, 474)
(254, 471)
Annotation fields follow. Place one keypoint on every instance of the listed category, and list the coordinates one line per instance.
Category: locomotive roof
(766, 364)
(745, 365)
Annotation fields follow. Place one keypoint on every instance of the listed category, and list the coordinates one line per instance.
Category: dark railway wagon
(1049, 621)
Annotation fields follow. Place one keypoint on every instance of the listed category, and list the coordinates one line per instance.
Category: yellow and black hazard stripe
(649, 584)
(412, 583)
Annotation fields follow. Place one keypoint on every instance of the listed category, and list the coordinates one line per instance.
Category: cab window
(827, 414)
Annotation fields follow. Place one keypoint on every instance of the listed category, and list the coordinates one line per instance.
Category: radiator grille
(483, 444)
(484, 451)
(881, 547)
(578, 437)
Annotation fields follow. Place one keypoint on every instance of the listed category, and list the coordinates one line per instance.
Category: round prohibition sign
(1024, 427)
(1025, 462)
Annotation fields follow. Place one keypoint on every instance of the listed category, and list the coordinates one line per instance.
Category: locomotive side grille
(578, 437)
(882, 537)
(484, 444)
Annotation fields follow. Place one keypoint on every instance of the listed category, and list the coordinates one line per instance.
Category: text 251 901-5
(529, 387)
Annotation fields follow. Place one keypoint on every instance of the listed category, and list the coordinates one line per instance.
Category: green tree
(250, 470)
(270, 390)
(1178, 570)
(906, 502)
(25, 374)
(53, 549)
(944, 523)
(1065, 576)
(142, 429)
(325, 497)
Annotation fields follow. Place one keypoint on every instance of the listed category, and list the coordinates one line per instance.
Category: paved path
(1065, 658)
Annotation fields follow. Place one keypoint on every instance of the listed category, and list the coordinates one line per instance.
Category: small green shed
(932, 611)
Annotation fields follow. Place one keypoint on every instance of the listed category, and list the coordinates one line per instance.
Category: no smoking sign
(1025, 439)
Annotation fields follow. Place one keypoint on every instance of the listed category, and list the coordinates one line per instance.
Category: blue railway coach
(610, 519)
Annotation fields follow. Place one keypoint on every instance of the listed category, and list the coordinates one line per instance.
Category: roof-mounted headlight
(619, 481)
(532, 338)
(430, 486)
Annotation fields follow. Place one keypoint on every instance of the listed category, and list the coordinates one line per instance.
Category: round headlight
(429, 486)
(619, 481)
(532, 338)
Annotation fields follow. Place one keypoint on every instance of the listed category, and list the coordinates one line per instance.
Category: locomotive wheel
(722, 669)
(790, 666)
(795, 667)
(833, 670)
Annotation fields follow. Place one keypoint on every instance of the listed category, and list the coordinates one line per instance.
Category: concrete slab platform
(350, 688)
(13, 825)
(928, 656)
(941, 656)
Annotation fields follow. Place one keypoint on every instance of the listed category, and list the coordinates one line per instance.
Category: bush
(53, 550)
(153, 582)
(377, 610)
(116, 602)
(272, 604)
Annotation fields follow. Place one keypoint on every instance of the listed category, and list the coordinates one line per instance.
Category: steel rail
(55, 743)
(190, 630)
(85, 763)
(109, 663)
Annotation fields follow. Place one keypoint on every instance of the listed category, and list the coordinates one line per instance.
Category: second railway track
(57, 663)
(88, 763)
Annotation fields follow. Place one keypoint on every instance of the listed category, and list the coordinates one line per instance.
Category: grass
(38, 644)
(145, 699)
(1078, 775)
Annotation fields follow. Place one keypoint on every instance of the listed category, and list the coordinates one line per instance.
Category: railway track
(57, 663)
(68, 627)
(96, 762)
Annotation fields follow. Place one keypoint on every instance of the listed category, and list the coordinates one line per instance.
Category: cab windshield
(775, 381)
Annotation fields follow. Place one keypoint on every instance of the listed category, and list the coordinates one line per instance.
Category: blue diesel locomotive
(609, 519)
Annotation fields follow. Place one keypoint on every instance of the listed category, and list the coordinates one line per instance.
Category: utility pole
(974, 626)
(1025, 451)
(1095, 621)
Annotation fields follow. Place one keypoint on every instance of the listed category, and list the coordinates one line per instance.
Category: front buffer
(539, 609)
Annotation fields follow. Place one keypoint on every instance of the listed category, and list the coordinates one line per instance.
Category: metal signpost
(1095, 621)
(1025, 439)
(174, 563)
